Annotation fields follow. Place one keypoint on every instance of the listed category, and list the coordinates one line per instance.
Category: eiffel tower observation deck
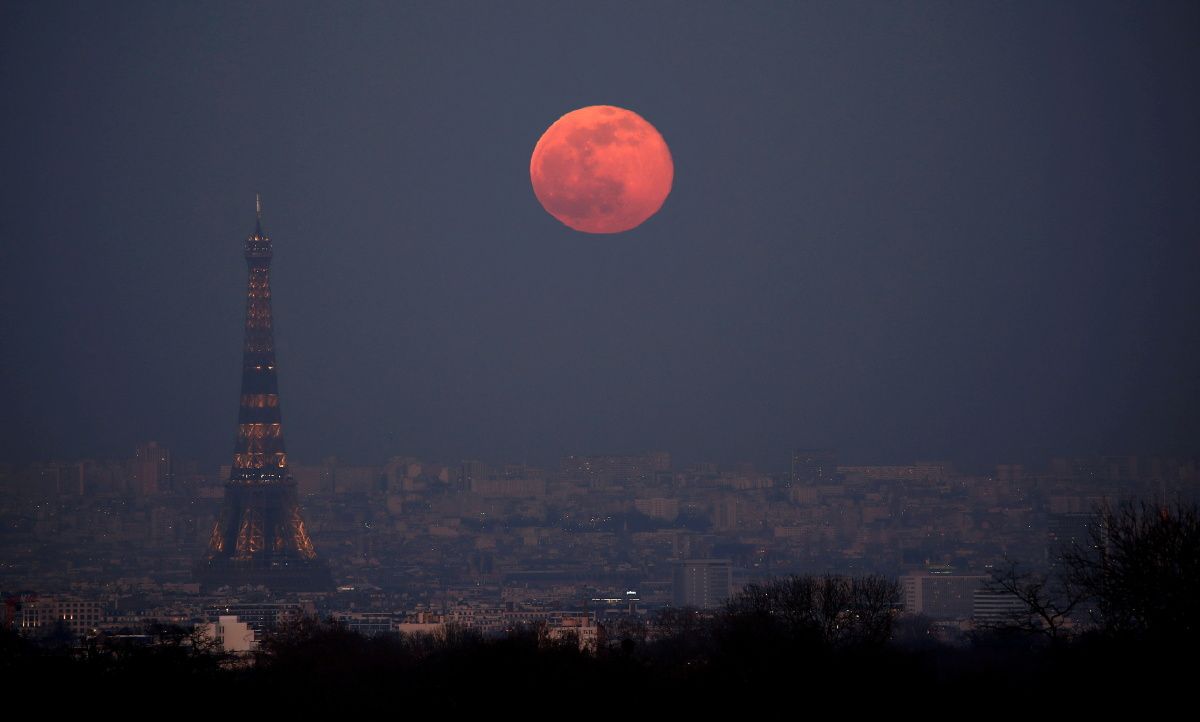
(260, 538)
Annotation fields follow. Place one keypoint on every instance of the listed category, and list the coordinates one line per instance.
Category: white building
(941, 596)
(997, 608)
(702, 583)
(232, 635)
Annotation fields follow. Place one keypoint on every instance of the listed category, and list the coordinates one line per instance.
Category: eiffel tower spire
(261, 537)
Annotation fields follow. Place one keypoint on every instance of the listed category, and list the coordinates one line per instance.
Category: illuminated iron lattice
(260, 538)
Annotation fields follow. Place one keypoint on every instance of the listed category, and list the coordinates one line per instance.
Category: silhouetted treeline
(741, 659)
(1134, 577)
(800, 642)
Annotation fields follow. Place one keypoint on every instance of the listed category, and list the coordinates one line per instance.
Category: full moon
(601, 169)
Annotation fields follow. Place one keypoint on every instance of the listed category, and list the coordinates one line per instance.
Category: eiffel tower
(260, 538)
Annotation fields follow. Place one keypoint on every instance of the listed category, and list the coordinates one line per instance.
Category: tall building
(260, 538)
(702, 583)
(941, 596)
(151, 469)
(813, 467)
(231, 634)
(997, 608)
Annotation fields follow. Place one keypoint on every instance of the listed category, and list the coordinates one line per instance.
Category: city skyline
(672, 356)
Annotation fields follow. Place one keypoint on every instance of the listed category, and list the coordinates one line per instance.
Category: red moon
(601, 169)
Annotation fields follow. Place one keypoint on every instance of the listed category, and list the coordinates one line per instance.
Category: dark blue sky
(959, 230)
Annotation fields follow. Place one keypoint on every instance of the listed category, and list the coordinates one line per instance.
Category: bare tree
(629, 633)
(873, 606)
(839, 611)
(1141, 569)
(676, 620)
(1047, 602)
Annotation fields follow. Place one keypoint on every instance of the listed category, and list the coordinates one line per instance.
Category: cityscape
(823, 354)
(492, 545)
(97, 547)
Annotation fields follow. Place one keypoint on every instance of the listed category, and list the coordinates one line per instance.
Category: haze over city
(353, 352)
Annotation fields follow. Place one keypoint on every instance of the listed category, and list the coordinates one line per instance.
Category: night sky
(959, 230)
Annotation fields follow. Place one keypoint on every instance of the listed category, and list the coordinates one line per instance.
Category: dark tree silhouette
(1141, 570)
(1047, 602)
(628, 633)
(839, 612)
